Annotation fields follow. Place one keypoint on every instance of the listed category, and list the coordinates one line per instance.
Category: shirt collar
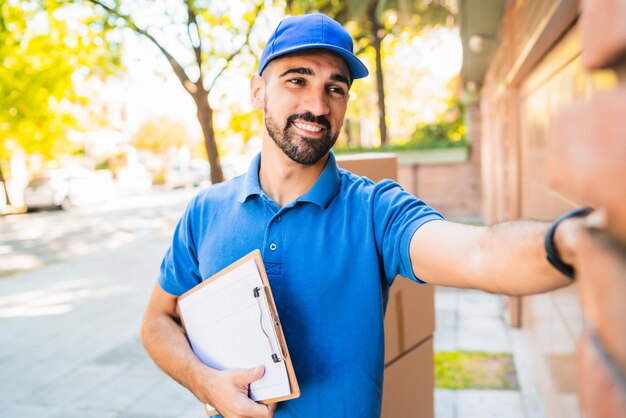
(322, 192)
(325, 188)
(251, 184)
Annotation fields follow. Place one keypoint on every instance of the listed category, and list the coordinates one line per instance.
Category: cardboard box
(409, 321)
(408, 386)
(410, 317)
(376, 166)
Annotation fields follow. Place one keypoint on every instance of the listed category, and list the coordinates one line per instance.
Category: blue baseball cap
(312, 31)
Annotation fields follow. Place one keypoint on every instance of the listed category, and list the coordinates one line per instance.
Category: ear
(257, 91)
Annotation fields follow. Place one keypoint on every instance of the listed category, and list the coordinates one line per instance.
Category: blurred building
(103, 121)
(542, 85)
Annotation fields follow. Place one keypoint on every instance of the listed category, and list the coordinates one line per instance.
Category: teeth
(308, 127)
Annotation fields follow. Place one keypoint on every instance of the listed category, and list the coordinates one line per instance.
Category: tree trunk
(348, 130)
(205, 117)
(380, 88)
(4, 187)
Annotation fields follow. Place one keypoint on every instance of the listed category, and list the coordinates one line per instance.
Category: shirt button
(273, 246)
(278, 218)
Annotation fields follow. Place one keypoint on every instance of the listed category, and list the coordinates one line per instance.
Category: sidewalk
(473, 320)
(70, 346)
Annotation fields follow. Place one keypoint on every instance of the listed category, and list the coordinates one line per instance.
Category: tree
(372, 20)
(160, 134)
(212, 34)
(7, 198)
(41, 49)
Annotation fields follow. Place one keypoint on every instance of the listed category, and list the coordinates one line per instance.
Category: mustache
(308, 117)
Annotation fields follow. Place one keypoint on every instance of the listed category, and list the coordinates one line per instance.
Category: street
(33, 240)
(69, 320)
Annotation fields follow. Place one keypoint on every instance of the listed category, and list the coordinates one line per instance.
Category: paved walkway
(69, 345)
(476, 321)
(69, 340)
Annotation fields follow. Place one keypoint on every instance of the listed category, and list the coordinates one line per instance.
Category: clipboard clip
(256, 292)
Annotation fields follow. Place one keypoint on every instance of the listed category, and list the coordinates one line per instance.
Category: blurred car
(66, 187)
(193, 174)
(134, 179)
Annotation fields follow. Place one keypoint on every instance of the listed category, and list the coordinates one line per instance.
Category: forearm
(506, 258)
(165, 341)
(513, 260)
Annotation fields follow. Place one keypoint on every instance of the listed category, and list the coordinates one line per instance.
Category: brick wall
(451, 188)
(553, 138)
(587, 163)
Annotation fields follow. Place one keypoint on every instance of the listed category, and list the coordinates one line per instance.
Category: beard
(301, 149)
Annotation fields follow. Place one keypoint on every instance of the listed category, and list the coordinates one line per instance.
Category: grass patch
(474, 370)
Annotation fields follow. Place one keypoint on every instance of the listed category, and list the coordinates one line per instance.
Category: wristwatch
(551, 253)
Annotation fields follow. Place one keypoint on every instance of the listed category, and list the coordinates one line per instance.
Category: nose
(317, 102)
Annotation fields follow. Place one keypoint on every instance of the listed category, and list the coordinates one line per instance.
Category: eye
(338, 91)
(296, 81)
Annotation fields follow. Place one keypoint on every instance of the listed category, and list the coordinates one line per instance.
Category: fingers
(245, 377)
(250, 409)
(231, 396)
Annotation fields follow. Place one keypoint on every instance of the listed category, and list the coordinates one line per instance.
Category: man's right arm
(164, 338)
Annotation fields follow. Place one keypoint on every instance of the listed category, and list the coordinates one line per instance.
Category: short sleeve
(396, 216)
(179, 268)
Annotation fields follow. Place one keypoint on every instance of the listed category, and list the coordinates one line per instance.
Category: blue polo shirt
(330, 257)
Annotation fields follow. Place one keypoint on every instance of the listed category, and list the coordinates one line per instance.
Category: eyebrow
(298, 70)
(341, 79)
(308, 71)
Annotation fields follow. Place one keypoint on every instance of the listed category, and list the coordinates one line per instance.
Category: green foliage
(247, 124)
(448, 132)
(359, 16)
(159, 179)
(370, 21)
(200, 40)
(113, 162)
(429, 144)
(159, 134)
(42, 48)
(440, 134)
(242, 126)
(474, 370)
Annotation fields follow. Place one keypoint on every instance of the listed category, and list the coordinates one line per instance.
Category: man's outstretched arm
(166, 342)
(506, 258)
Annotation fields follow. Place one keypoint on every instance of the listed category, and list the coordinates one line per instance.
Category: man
(332, 242)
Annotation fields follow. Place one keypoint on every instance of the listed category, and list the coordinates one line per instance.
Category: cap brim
(355, 65)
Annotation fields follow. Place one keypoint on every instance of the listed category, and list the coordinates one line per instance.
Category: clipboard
(239, 298)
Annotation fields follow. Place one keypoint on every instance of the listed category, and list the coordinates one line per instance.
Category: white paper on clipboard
(230, 326)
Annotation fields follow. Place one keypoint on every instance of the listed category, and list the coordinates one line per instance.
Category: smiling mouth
(314, 129)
